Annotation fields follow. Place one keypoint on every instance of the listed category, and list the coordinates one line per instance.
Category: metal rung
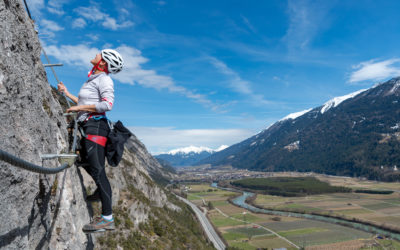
(63, 158)
(54, 156)
(52, 65)
(70, 114)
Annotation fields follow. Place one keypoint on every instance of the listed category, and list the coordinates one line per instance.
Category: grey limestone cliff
(48, 211)
(31, 123)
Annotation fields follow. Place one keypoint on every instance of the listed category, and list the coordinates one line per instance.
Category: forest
(288, 186)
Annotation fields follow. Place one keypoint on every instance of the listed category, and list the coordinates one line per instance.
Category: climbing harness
(96, 116)
(101, 140)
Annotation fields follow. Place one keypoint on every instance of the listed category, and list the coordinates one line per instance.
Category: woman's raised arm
(61, 87)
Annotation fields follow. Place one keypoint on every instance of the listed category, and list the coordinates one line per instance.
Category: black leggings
(94, 154)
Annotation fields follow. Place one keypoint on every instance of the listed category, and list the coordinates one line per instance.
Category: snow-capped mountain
(295, 115)
(187, 156)
(357, 135)
(338, 100)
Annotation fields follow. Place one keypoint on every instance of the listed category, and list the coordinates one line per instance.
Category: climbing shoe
(99, 224)
(94, 197)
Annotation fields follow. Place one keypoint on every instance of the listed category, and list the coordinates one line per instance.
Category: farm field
(377, 208)
(251, 231)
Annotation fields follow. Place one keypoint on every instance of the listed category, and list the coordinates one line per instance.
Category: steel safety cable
(18, 162)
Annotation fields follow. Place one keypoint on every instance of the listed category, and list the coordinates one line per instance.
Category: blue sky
(207, 73)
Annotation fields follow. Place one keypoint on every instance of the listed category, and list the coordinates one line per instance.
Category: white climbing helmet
(113, 59)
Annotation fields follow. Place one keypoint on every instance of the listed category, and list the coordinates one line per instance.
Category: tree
(210, 205)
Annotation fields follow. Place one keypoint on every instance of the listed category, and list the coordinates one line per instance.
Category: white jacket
(97, 90)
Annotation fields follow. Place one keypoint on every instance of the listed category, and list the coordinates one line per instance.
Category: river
(241, 202)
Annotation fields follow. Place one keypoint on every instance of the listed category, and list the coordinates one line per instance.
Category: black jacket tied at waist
(117, 137)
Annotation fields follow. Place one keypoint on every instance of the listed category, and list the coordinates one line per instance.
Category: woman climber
(95, 98)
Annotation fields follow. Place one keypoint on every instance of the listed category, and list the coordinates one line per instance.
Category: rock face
(33, 205)
(48, 211)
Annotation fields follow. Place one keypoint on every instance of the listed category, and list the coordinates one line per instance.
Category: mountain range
(353, 135)
(186, 156)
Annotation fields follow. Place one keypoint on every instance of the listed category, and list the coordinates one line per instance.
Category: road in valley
(205, 223)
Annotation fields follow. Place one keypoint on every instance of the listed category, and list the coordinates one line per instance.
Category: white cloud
(50, 25)
(48, 28)
(132, 73)
(53, 6)
(306, 19)
(163, 139)
(237, 84)
(124, 12)
(91, 13)
(35, 7)
(55, 11)
(56, 6)
(300, 27)
(79, 23)
(112, 24)
(107, 46)
(373, 70)
(78, 55)
(94, 14)
(161, 3)
(93, 37)
(248, 24)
